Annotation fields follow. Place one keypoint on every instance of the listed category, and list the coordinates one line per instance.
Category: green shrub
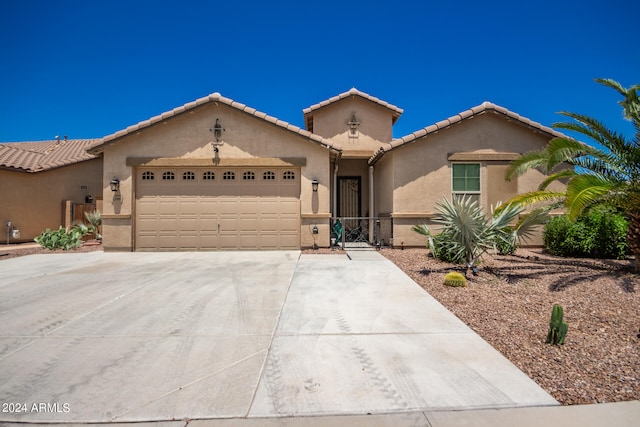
(61, 239)
(444, 250)
(506, 246)
(599, 233)
(455, 279)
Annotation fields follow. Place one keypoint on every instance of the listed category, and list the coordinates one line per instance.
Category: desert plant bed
(18, 250)
(509, 304)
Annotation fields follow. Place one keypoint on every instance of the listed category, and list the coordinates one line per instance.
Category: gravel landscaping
(509, 304)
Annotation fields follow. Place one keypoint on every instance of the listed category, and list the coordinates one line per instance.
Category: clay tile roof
(215, 97)
(485, 107)
(395, 111)
(38, 156)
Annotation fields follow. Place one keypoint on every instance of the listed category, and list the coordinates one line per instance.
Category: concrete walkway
(357, 335)
(258, 338)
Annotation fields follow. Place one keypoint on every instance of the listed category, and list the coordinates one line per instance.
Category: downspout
(371, 208)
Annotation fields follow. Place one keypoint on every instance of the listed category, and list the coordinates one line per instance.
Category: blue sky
(87, 69)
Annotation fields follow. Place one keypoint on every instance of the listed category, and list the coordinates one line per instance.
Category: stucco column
(371, 207)
(334, 195)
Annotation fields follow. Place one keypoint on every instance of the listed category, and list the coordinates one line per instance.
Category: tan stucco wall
(33, 201)
(188, 136)
(422, 172)
(375, 124)
(384, 185)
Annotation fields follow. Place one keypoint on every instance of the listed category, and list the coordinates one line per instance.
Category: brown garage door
(194, 209)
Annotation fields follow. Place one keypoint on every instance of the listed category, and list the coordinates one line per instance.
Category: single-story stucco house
(217, 174)
(41, 181)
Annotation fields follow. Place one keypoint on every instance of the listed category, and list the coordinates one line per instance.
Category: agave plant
(95, 219)
(467, 232)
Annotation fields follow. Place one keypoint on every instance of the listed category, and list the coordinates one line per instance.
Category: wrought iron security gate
(356, 231)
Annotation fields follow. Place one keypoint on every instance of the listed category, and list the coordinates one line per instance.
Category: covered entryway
(216, 208)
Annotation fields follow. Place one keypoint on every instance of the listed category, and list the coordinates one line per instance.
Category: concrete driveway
(100, 337)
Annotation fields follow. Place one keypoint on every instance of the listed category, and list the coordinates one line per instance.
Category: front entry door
(349, 188)
(348, 196)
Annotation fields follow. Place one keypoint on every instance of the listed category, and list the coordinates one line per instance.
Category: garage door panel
(228, 242)
(228, 206)
(291, 241)
(269, 240)
(289, 220)
(269, 225)
(212, 214)
(166, 241)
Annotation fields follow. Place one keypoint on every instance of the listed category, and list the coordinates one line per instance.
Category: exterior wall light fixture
(314, 185)
(217, 130)
(353, 125)
(114, 184)
(217, 135)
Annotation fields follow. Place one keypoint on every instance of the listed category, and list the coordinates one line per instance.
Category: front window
(466, 180)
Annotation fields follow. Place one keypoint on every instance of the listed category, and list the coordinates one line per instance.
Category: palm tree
(607, 172)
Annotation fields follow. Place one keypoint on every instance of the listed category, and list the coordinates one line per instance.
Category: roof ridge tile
(396, 111)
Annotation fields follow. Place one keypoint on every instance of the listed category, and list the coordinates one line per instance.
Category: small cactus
(455, 279)
(557, 328)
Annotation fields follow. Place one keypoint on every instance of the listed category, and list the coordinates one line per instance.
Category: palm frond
(527, 226)
(533, 197)
(530, 160)
(591, 128)
(422, 229)
(561, 150)
(585, 190)
(631, 103)
(506, 215)
(609, 167)
(563, 174)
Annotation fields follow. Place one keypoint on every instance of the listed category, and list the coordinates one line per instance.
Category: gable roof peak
(213, 97)
(308, 112)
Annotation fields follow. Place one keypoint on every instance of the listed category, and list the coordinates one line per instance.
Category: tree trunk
(633, 238)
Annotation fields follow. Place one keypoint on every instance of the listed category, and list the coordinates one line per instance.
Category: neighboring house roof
(484, 108)
(217, 98)
(38, 156)
(308, 116)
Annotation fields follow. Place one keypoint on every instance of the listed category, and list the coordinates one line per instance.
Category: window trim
(478, 193)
